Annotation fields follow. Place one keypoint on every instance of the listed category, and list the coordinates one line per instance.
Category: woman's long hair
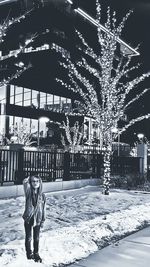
(39, 191)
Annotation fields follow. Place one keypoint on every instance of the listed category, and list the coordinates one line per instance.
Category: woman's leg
(28, 238)
(36, 234)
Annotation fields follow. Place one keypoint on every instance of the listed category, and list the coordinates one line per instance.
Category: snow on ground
(78, 223)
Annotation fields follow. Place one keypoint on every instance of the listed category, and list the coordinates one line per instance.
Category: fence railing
(125, 165)
(53, 165)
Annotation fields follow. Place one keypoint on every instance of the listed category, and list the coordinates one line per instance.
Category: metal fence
(52, 166)
(125, 165)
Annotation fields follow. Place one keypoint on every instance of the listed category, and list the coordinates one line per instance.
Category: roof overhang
(127, 49)
(3, 2)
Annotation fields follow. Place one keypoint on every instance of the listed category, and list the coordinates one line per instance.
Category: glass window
(2, 124)
(34, 127)
(3, 94)
(12, 90)
(56, 106)
(19, 122)
(27, 90)
(12, 99)
(68, 100)
(50, 99)
(42, 100)
(35, 98)
(18, 95)
(11, 123)
(56, 99)
(65, 104)
(18, 90)
(27, 124)
(49, 104)
(42, 128)
(63, 99)
(27, 102)
(27, 97)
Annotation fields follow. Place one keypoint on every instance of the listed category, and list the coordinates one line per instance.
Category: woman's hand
(42, 224)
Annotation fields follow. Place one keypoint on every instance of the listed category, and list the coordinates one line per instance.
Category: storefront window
(49, 99)
(3, 94)
(34, 127)
(22, 122)
(18, 96)
(12, 94)
(27, 97)
(42, 100)
(2, 124)
(56, 106)
(11, 124)
(35, 98)
(49, 103)
(68, 100)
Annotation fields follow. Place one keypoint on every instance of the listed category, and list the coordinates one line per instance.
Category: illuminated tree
(73, 135)
(20, 135)
(19, 67)
(106, 99)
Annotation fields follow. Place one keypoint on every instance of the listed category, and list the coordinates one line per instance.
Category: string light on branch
(133, 121)
(105, 99)
(9, 22)
(17, 52)
(73, 134)
(58, 49)
(15, 76)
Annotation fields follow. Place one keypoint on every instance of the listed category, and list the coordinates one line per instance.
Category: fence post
(54, 167)
(66, 175)
(20, 174)
(1, 170)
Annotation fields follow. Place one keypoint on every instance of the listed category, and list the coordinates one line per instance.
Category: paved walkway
(132, 251)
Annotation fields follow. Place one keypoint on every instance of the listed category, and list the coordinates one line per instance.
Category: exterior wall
(17, 190)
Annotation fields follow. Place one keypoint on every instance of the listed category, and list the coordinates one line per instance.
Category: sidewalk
(131, 251)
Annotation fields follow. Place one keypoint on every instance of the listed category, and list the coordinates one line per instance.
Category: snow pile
(78, 223)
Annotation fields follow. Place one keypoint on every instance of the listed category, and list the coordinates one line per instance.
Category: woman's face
(35, 182)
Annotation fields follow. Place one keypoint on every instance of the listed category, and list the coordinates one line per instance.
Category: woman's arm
(44, 209)
(26, 186)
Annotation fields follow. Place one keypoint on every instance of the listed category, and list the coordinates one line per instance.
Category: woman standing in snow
(34, 214)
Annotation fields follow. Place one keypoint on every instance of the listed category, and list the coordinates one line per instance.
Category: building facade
(41, 30)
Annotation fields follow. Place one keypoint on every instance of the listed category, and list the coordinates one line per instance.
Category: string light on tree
(73, 135)
(9, 22)
(19, 64)
(21, 135)
(14, 76)
(106, 100)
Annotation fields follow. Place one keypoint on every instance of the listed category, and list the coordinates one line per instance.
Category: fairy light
(17, 52)
(7, 23)
(18, 64)
(133, 121)
(14, 76)
(136, 98)
(58, 49)
(72, 134)
(96, 22)
(107, 103)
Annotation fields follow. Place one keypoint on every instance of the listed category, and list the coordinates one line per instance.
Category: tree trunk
(106, 176)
